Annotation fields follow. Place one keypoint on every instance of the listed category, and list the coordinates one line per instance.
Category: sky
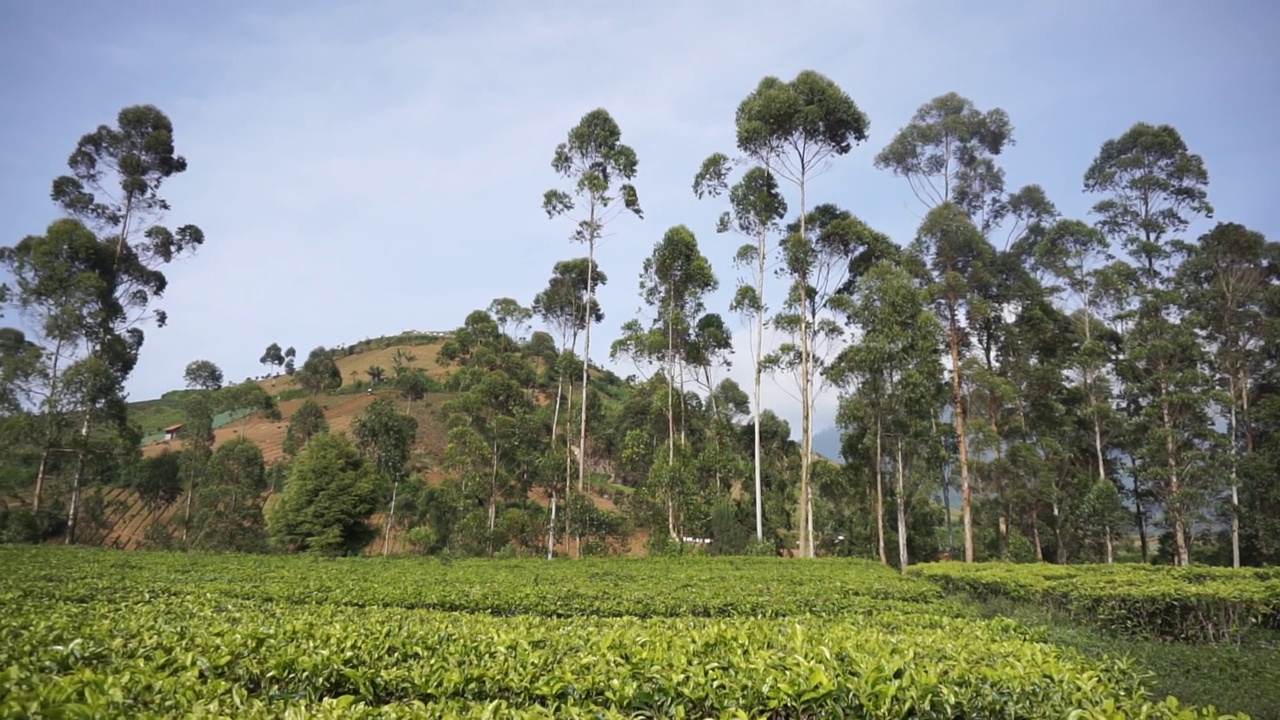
(360, 169)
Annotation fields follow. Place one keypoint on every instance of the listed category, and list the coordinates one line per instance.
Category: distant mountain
(827, 444)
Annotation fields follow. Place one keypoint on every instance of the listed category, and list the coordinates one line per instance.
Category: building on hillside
(173, 432)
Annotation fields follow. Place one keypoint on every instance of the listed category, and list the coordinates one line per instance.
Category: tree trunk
(391, 517)
(551, 529)
(40, 475)
(186, 513)
(493, 492)
(1140, 516)
(958, 393)
(586, 355)
(997, 472)
(761, 252)
(806, 407)
(568, 469)
(1235, 480)
(1035, 536)
(902, 512)
(49, 436)
(884, 558)
(946, 492)
(1183, 558)
(1057, 534)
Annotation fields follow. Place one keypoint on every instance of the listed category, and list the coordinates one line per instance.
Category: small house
(172, 432)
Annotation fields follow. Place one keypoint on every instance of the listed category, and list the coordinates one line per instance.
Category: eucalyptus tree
(1153, 188)
(386, 439)
(512, 317)
(896, 371)
(567, 305)
(675, 281)
(946, 153)
(64, 285)
(955, 248)
(113, 188)
(794, 129)
(756, 210)
(1226, 278)
(602, 169)
(823, 267)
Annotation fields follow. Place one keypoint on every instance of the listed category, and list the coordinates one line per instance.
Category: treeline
(1069, 382)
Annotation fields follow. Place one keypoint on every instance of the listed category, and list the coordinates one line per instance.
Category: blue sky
(365, 168)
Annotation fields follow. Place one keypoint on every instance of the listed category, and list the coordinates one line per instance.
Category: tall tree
(602, 169)
(756, 210)
(116, 175)
(794, 129)
(64, 284)
(1154, 186)
(946, 153)
(955, 247)
(1225, 279)
(896, 370)
(675, 280)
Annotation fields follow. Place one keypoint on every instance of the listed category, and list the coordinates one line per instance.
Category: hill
(118, 517)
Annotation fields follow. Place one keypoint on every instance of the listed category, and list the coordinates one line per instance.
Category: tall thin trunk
(1183, 558)
(586, 352)
(1140, 516)
(946, 492)
(73, 512)
(806, 409)
(671, 413)
(1235, 480)
(884, 558)
(1035, 535)
(551, 529)
(568, 468)
(49, 436)
(1002, 503)
(966, 510)
(555, 417)
(759, 339)
(1057, 534)
(902, 511)
(391, 518)
(493, 493)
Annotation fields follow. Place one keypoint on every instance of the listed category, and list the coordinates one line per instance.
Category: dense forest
(1014, 384)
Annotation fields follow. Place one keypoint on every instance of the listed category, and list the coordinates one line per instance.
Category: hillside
(118, 518)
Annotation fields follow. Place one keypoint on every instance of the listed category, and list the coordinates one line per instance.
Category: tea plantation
(96, 633)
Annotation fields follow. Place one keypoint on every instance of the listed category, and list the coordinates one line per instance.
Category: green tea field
(97, 633)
